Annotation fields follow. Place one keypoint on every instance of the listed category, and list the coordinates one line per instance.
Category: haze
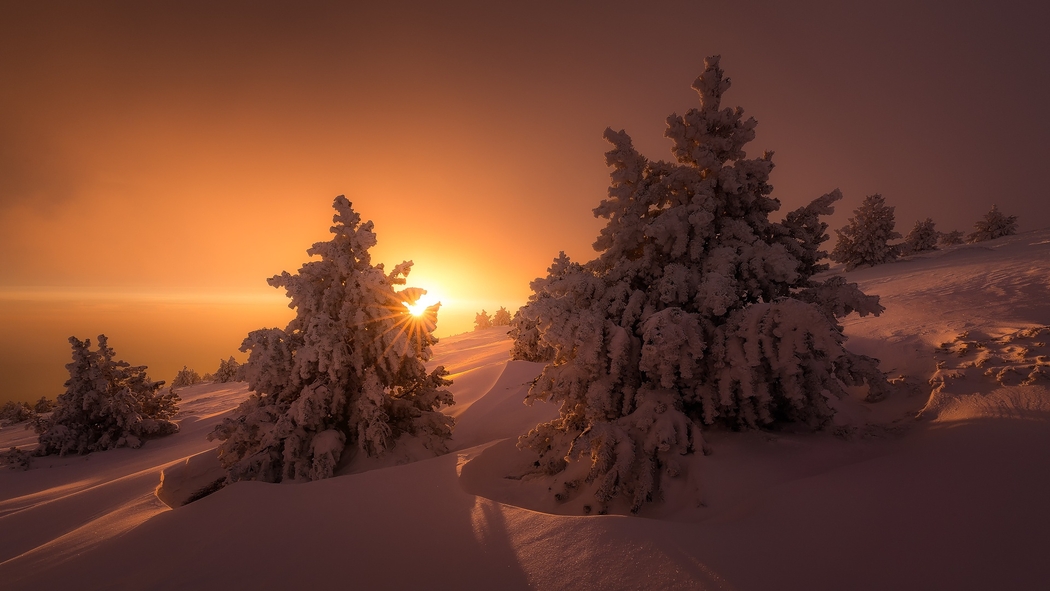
(158, 161)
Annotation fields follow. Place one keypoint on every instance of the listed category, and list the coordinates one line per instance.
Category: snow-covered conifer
(229, 371)
(923, 237)
(347, 374)
(44, 405)
(482, 321)
(107, 404)
(185, 377)
(952, 238)
(15, 411)
(994, 225)
(865, 239)
(501, 317)
(698, 310)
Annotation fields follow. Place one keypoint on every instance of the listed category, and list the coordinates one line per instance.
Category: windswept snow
(955, 500)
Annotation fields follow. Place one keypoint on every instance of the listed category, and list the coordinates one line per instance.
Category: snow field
(955, 500)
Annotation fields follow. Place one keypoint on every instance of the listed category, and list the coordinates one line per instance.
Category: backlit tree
(107, 403)
(347, 374)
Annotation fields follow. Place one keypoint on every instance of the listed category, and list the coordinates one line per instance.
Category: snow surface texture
(955, 500)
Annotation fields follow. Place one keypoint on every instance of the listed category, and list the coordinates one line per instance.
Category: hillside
(882, 499)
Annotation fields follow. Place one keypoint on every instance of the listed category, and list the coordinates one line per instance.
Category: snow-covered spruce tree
(185, 377)
(229, 371)
(865, 239)
(952, 238)
(923, 237)
(346, 375)
(44, 405)
(501, 317)
(16, 411)
(107, 404)
(698, 310)
(994, 225)
(482, 321)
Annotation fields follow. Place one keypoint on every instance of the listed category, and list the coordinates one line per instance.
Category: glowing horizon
(149, 186)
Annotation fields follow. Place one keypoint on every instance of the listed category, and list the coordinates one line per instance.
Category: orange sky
(159, 160)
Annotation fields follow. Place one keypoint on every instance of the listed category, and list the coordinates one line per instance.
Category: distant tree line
(865, 239)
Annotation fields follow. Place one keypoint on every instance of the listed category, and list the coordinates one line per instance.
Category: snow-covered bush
(15, 412)
(15, 458)
(482, 321)
(952, 238)
(43, 405)
(699, 310)
(186, 377)
(994, 225)
(865, 239)
(501, 317)
(229, 371)
(107, 404)
(923, 237)
(346, 375)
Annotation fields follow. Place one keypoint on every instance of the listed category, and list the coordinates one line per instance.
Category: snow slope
(956, 499)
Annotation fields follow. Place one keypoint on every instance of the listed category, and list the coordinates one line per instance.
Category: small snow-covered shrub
(501, 317)
(993, 225)
(346, 376)
(185, 377)
(952, 238)
(15, 412)
(865, 239)
(44, 405)
(229, 371)
(482, 321)
(699, 310)
(107, 404)
(15, 458)
(923, 237)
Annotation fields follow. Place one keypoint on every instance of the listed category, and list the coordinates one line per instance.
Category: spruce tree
(229, 371)
(699, 310)
(993, 225)
(951, 238)
(346, 376)
(186, 377)
(865, 239)
(107, 403)
(923, 237)
(501, 317)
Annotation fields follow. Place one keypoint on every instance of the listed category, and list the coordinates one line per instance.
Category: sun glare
(425, 301)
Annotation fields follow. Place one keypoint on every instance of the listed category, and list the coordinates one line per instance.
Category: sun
(425, 301)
